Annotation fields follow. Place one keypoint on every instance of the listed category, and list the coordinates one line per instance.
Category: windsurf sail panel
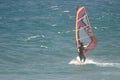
(84, 31)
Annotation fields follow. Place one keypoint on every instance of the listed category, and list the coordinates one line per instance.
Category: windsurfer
(80, 52)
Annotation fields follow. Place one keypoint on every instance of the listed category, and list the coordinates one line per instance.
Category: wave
(66, 11)
(33, 37)
(65, 32)
(76, 61)
(54, 25)
(54, 7)
(43, 46)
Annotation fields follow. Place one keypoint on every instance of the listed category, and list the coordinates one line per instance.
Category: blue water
(37, 40)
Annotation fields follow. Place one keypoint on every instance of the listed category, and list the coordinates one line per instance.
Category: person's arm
(91, 46)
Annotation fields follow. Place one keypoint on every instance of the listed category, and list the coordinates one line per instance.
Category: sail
(84, 31)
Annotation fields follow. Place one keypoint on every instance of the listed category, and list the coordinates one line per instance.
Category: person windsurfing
(80, 52)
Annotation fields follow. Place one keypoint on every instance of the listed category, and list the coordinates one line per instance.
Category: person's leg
(80, 56)
(84, 58)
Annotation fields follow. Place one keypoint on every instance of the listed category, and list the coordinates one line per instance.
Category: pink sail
(84, 31)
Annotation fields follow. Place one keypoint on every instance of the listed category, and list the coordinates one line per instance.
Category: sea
(37, 40)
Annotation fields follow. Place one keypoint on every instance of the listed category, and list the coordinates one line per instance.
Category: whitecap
(95, 27)
(54, 7)
(43, 46)
(64, 32)
(33, 37)
(54, 25)
(66, 11)
(42, 36)
(59, 32)
(67, 31)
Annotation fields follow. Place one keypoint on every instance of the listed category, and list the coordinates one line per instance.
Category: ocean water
(37, 40)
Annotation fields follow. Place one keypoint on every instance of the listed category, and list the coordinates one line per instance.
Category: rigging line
(81, 28)
(82, 17)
